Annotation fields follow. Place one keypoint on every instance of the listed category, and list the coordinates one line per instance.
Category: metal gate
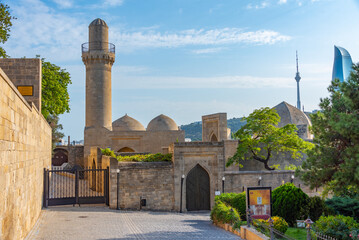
(78, 186)
(197, 189)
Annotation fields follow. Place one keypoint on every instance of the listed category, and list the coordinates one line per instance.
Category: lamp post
(118, 186)
(308, 223)
(259, 180)
(182, 179)
(291, 179)
(223, 179)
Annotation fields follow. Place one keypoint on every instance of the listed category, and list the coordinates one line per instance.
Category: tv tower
(297, 78)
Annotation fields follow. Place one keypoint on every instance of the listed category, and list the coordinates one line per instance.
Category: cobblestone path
(99, 222)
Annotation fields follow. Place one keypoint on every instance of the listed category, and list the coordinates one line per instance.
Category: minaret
(297, 78)
(98, 55)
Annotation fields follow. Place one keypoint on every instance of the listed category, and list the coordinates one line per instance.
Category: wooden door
(197, 189)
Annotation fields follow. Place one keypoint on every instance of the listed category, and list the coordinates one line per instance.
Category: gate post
(77, 187)
(46, 193)
(107, 184)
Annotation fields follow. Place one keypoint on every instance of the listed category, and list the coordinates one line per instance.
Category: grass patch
(297, 233)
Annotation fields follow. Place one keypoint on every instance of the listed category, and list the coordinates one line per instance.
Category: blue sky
(188, 58)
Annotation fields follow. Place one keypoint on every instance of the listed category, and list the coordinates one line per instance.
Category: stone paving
(99, 222)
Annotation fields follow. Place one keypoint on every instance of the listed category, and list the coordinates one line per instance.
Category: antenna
(296, 54)
(297, 78)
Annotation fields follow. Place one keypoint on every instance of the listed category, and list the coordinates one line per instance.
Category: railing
(274, 234)
(98, 46)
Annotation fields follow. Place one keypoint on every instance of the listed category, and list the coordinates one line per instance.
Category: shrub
(316, 208)
(278, 223)
(236, 200)
(339, 227)
(158, 157)
(289, 202)
(108, 152)
(344, 206)
(221, 212)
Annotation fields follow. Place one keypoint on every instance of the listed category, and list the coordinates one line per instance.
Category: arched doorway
(214, 138)
(60, 157)
(126, 149)
(197, 189)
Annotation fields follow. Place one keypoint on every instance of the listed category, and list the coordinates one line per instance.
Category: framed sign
(259, 202)
(26, 90)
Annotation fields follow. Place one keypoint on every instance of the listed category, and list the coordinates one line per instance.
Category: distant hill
(194, 130)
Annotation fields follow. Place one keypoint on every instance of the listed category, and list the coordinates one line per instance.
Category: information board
(259, 201)
(26, 90)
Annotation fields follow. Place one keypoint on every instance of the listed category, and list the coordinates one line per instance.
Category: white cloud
(113, 3)
(282, 1)
(173, 82)
(207, 50)
(131, 40)
(64, 3)
(261, 5)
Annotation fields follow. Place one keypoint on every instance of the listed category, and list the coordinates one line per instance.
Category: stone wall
(25, 150)
(25, 72)
(238, 181)
(152, 181)
(75, 154)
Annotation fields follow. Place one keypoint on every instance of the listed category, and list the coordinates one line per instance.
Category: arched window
(214, 138)
(126, 149)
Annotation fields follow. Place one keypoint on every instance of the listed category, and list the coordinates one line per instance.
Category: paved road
(99, 222)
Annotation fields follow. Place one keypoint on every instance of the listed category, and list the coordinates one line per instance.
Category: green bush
(316, 208)
(158, 157)
(344, 206)
(289, 202)
(236, 200)
(339, 227)
(280, 224)
(108, 152)
(223, 213)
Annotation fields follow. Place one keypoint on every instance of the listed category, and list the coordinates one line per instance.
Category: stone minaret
(297, 78)
(98, 55)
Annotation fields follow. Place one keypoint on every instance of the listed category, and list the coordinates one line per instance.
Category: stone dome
(127, 123)
(162, 123)
(292, 115)
(98, 22)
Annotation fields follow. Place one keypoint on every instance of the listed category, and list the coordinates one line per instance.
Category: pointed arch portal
(214, 138)
(197, 189)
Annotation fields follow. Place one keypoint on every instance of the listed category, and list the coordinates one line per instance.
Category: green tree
(55, 97)
(53, 120)
(260, 137)
(334, 161)
(5, 24)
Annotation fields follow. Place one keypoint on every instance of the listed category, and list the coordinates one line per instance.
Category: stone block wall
(25, 72)
(152, 181)
(25, 150)
(238, 181)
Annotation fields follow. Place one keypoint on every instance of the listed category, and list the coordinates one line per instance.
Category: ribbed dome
(98, 22)
(162, 123)
(127, 123)
(292, 115)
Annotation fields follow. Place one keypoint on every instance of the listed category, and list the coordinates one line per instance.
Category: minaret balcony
(98, 51)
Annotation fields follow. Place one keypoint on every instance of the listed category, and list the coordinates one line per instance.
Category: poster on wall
(259, 202)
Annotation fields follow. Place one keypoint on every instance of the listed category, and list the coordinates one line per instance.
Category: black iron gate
(78, 186)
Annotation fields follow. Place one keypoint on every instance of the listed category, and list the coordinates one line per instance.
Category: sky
(188, 58)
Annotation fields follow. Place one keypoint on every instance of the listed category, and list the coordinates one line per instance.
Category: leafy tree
(55, 97)
(5, 24)
(334, 161)
(53, 120)
(260, 137)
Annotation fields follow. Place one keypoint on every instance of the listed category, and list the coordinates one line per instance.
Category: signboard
(26, 90)
(259, 201)
(217, 193)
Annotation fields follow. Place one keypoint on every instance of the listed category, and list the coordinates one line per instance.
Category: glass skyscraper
(342, 64)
